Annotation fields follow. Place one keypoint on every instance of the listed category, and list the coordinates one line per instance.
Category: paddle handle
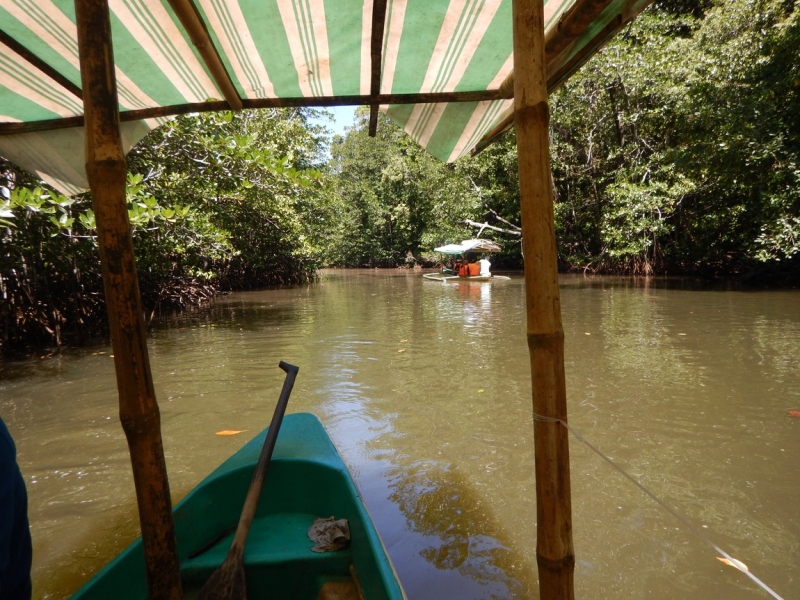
(257, 483)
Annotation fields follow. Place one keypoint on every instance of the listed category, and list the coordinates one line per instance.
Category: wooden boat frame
(441, 277)
(307, 479)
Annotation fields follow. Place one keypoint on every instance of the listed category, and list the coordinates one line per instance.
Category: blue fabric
(15, 537)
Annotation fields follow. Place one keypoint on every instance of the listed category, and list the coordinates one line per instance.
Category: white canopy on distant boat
(469, 246)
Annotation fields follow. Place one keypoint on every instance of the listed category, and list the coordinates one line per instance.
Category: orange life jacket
(474, 269)
(463, 270)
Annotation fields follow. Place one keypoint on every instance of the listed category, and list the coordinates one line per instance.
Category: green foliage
(676, 147)
(395, 201)
(227, 201)
(250, 192)
(49, 277)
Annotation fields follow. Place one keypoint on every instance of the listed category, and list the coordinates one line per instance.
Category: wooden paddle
(228, 581)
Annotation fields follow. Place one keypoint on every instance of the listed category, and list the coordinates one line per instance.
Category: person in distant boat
(463, 269)
(485, 266)
(474, 268)
(15, 535)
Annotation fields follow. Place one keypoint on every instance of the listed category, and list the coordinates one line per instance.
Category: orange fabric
(463, 271)
(474, 269)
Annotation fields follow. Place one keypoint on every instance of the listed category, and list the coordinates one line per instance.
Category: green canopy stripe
(473, 21)
(459, 38)
(455, 41)
(154, 29)
(365, 79)
(28, 82)
(423, 121)
(483, 118)
(273, 49)
(233, 33)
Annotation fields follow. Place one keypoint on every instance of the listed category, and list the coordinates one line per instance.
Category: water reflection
(425, 389)
(459, 531)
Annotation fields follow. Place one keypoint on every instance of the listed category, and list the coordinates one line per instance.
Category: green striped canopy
(438, 72)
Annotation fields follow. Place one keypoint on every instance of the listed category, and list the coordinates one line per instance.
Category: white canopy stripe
(30, 150)
(395, 20)
(229, 24)
(46, 21)
(152, 27)
(29, 82)
(365, 80)
(304, 22)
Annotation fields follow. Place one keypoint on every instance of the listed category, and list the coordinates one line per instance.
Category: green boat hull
(306, 480)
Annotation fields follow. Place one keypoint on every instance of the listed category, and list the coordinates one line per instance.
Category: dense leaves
(215, 202)
(397, 202)
(676, 148)
(253, 190)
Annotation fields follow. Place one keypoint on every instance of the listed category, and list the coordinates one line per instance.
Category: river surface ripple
(425, 389)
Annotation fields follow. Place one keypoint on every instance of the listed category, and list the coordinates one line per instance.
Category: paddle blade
(226, 583)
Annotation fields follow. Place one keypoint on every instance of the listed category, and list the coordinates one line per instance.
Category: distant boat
(466, 247)
(306, 480)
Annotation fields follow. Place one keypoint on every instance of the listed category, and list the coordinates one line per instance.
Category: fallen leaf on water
(737, 564)
(401, 341)
(480, 391)
(401, 350)
(230, 431)
(794, 413)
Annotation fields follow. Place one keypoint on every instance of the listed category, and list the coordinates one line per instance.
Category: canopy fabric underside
(271, 49)
(474, 245)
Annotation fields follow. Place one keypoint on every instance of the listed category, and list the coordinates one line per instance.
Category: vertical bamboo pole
(106, 169)
(554, 552)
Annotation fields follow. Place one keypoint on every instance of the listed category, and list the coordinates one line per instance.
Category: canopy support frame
(376, 56)
(106, 169)
(187, 13)
(555, 556)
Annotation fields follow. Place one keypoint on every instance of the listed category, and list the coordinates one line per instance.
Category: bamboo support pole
(106, 169)
(554, 551)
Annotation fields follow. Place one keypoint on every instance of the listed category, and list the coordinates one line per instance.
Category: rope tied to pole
(579, 436)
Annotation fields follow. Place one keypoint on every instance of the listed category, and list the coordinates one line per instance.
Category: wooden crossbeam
(40, 64)
(322, 101)
(186, 11)
(376, 54)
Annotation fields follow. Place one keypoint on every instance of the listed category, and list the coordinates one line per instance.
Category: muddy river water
(425, 390)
